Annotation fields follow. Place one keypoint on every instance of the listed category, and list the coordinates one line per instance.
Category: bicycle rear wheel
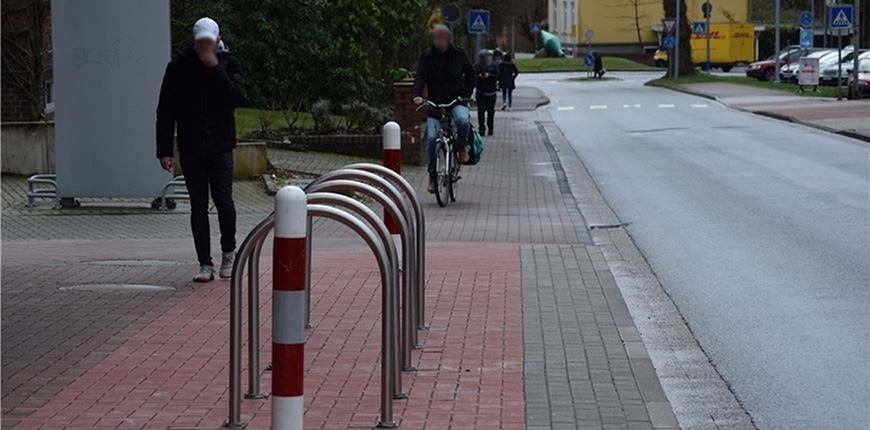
(443, 181)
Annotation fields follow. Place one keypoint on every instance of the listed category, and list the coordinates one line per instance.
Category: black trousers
(213, 172)
(486, 112)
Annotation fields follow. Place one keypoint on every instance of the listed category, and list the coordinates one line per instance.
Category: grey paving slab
(580, 370)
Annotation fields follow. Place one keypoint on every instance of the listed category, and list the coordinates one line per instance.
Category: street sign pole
(677, 36)
(709, 10)
(856, 36)
(777, 45)
(839, 64)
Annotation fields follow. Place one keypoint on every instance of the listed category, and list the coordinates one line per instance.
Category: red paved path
(172, 374)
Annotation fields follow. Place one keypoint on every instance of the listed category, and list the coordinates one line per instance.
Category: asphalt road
(759, 230)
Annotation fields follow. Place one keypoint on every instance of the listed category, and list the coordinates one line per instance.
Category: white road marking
(598, 107)
(699, 106)
(666, 106)
(631, 106)
(565, 108)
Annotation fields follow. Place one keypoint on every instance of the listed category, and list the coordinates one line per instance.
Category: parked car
(863, 77)
(828, 74)
(766, 70)
(789, 73)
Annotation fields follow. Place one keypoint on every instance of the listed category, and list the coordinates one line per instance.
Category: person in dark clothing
(598, 66)
(200, 91)
(508, 72)
(487, 91)
(447, 74)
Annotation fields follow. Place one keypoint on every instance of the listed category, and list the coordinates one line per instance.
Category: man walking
(200, 91)
(487, 91)
(446, 72)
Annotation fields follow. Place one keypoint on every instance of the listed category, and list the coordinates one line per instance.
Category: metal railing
(400, 201)
(34, 193)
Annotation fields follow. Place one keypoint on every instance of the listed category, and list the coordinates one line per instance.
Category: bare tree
(24, 54)
(686, 66)
(637, 15)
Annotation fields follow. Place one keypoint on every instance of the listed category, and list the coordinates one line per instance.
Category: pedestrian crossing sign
(841, 16)
(699, 27)
(478, 21)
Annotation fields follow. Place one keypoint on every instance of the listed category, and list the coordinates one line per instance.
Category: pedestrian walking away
(487, 91)
(598, 65)
(201, 89)
(446, 72)
(508, 72)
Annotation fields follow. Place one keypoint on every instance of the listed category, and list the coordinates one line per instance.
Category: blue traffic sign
(841, 16)
(806, 19)
(589, 60)
(699, 27)
(669, 42)
(535, 28)
(806, 38)
(478, 21)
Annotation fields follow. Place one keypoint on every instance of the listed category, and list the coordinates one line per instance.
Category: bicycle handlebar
(445, 105)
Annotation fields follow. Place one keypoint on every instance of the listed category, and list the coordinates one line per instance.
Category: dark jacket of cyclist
(446, 75)
(446, 72)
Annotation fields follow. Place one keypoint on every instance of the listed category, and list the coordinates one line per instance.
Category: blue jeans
(463, 127)
(507, 96)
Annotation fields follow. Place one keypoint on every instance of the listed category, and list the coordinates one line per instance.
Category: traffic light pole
(677, 47)
(777, 48)
(707, 15)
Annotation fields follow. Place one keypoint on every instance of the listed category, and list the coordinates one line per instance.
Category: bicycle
(447, 165)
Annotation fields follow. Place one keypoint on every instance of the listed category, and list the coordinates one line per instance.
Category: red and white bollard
(288, 308)
(393, 161)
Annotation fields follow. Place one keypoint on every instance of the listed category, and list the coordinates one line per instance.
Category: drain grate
(132, 262)
(606, 226)
(117, 288)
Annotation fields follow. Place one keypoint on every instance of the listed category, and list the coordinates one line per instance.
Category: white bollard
(393, 161)
(289, 272)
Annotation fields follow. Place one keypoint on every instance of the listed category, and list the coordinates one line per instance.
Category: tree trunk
(686, 66)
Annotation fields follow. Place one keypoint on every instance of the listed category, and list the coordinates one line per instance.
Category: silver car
(828, 74)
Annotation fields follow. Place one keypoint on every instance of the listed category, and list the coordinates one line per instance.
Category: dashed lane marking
(701, 106)
(598, 107)
(666, 106)
(631, 106)
(565, 108)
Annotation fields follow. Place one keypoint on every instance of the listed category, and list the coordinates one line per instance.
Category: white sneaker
(206, 273)
(227, 261)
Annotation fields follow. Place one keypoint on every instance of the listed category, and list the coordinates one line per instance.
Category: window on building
(565, 27)
(555, 20)
(573, 14)
(49, 95)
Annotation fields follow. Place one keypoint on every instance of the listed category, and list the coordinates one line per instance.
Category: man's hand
(166, 163)
(208, 58)
(418, 100)
(484, 75)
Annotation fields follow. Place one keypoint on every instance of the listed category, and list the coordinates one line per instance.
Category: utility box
(730, 44)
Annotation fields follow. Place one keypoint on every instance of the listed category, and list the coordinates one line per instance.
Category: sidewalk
(847, 117)
(527, 327)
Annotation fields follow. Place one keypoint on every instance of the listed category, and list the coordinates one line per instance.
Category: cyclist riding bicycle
(446, 72)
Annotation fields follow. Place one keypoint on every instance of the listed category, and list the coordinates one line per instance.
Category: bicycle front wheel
(454, 175)
(442, 169)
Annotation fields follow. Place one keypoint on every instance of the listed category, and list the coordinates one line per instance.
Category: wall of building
(615, 23)
(27, 148)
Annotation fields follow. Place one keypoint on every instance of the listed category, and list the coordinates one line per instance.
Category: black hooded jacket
(200, 102)
(446, 75)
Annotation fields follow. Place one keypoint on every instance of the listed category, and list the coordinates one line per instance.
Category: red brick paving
(172, 374)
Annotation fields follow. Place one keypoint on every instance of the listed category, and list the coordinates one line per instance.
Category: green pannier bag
(476, 147)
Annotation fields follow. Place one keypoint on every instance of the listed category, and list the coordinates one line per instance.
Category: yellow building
(628, 25)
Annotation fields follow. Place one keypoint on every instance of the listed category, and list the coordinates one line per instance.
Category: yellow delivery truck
(730, 44)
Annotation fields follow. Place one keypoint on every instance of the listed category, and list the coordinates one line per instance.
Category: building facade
(628, 26)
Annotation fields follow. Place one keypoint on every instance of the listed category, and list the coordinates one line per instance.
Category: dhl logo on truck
(716, 35)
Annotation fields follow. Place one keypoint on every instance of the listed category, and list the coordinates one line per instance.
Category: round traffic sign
(451, 13)
(589, 34)
(589, 60)
(806, 19)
